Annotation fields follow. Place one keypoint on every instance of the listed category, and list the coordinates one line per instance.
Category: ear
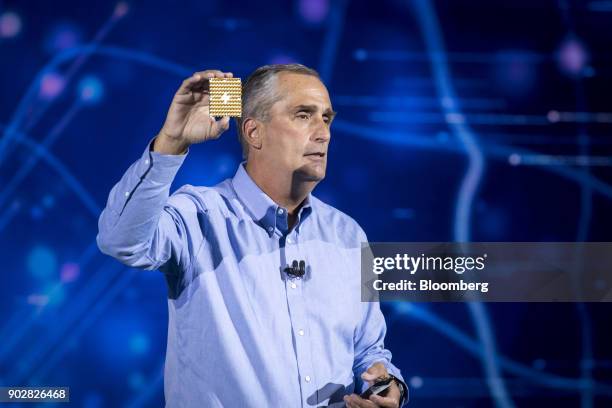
(252, 131)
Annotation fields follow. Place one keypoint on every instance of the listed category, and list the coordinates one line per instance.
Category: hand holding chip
(191, 116)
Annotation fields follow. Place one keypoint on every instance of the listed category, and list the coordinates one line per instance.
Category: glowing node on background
(453, 117)
(51, 85)
(63, 36)
(402, 307)
(10, 24)
(360, 54)
(37, 299)
(91, 89)
(447, 103)
(41, 262)
(553, 116)
(572, 57)
(416, 382)
(230, 24)
(313, 11)
(69, 272)
(139, 343)
(36, 212)
(48, 201)
(121, 9)
(514, 159)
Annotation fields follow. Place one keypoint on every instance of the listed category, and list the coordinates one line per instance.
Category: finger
(391, 399)
(229, 75)
(379, 367)
(199, 79)
(375, 371)
(356, 401)
(376, 368)
(372, 377)
(221, 125)
(195, 85)
(224, 121)
(189, 83)
(210, 73)
(369, 376)
(387, 402)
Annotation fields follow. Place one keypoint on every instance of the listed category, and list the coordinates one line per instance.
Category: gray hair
(259, 93)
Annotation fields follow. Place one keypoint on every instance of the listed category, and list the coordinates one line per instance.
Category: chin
(308, 173)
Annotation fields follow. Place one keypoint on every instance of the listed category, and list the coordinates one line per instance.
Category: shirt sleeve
(369, 344)
(370, 348)
(137, 226)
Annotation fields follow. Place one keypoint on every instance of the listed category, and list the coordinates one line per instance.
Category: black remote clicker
(380, 387)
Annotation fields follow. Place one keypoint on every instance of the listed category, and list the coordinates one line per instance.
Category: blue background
(466, 120)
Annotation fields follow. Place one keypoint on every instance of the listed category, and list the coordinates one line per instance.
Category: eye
(303, 115)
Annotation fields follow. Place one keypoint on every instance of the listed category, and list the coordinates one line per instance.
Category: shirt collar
(262, 208)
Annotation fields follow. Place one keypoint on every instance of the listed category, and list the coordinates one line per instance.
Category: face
(296, 136)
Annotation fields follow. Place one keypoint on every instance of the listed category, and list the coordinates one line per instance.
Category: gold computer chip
(225, 97)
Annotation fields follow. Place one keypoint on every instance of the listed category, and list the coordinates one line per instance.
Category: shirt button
(127, 193)
(301, 332)
(289, 241)
(270, 229)
(147, 161)
(293, 285)
(280, 211)
(307, 378)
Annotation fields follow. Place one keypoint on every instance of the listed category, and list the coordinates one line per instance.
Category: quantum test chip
(225, 97)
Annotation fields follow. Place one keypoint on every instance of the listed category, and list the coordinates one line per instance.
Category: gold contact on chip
(225, 97)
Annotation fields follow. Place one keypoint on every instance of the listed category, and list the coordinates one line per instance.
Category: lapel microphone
(297, 269)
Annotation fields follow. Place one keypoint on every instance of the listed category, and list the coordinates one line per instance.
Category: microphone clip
(297, 269)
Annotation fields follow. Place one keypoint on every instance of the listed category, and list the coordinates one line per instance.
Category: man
(248, 326)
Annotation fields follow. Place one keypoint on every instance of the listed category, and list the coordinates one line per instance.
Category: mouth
(316, 154)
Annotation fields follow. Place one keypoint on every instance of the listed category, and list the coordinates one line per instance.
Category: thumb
(221, 125)
(369, 376)
(225, 121)
(375, 371)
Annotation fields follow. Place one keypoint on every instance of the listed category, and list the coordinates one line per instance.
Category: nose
(321, 133)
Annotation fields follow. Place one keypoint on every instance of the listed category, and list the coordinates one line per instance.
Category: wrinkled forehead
(300, 89)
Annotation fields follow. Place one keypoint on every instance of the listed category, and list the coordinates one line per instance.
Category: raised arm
(140, 226)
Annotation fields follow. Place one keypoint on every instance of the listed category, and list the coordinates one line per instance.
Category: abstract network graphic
(457, 121)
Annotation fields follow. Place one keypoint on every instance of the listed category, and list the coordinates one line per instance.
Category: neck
(286, 190)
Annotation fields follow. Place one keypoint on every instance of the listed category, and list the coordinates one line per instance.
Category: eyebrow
(313, 108)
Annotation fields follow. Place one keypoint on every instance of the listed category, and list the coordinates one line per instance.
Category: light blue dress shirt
(241, 332)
